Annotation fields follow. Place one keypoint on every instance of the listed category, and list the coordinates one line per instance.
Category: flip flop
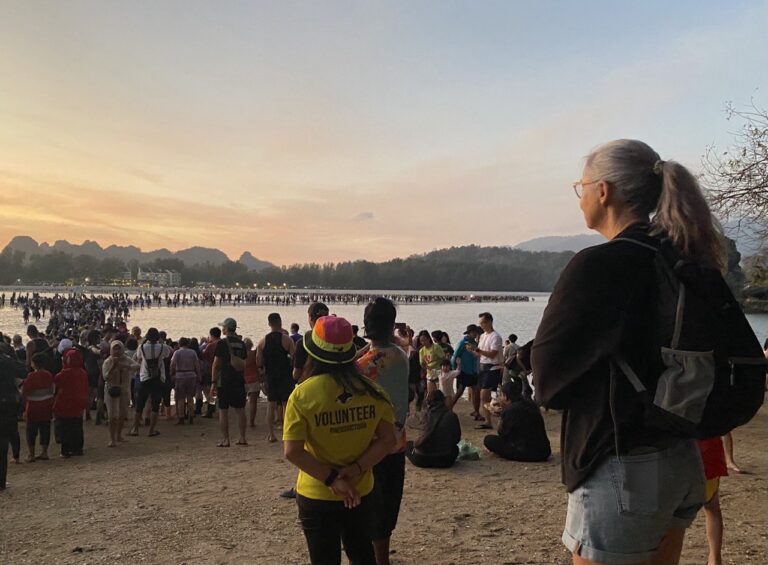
(222, 444)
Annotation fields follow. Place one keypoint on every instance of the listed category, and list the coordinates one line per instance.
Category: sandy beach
(178, 499)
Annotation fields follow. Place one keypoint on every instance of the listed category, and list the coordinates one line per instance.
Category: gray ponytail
(648, 185)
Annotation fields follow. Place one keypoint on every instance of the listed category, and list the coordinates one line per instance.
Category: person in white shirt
(489, 350)
(151, 354)
(446, 379)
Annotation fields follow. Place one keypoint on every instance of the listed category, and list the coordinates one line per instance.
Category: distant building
(159, 278)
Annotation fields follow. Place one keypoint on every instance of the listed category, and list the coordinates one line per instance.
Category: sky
(329, 131)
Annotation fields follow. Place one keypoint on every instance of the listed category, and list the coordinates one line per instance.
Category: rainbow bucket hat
(330, 341)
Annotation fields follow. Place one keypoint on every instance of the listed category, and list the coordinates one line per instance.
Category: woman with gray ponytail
(632, 489)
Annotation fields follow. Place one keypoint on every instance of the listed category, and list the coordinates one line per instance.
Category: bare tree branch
(736, 179)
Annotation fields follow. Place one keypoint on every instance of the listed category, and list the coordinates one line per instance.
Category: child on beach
(713, 457)
(37, 392)
(446, 379)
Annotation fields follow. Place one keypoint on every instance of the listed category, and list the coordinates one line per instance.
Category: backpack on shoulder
(153, 365)
(714, 366)
(237, 355)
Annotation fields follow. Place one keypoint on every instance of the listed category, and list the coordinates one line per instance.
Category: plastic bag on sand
(468, 452)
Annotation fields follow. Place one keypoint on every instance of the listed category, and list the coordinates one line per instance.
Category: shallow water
(521, 318)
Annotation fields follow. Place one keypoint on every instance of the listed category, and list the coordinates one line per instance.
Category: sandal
(484, 427)
(153, 434)
(242, 443)
(222, 444)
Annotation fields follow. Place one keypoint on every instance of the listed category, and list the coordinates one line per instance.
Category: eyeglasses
(578, 186)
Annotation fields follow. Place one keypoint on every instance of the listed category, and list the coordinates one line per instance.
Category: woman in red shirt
(37, 391)
(70, 403)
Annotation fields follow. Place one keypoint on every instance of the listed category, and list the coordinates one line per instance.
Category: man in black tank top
(274, 354)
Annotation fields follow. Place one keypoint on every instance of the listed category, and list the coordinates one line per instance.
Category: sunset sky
(317, 131)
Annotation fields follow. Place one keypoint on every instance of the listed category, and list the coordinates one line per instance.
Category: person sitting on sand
(522, 435)
(437, 446)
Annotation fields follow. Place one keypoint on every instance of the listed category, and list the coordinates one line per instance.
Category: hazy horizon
(337, 131)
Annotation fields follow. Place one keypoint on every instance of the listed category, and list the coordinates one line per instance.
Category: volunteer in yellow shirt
(338, 425)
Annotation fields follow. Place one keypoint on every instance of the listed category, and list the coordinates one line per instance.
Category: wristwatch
(331, 478)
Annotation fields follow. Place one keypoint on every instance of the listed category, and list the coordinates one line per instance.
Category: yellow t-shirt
(432, 356)
(336, 427)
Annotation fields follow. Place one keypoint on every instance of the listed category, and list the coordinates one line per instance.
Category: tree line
(459, 268)
(467, 268)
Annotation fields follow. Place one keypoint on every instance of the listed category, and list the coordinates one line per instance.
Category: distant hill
(559, 243)
(253, 263)
(190, 257)
(747, 242)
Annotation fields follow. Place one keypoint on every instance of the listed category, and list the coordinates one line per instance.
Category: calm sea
(521, 318)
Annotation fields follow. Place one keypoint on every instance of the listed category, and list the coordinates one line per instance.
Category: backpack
(153, 365)
(714, 369)
(237, 355)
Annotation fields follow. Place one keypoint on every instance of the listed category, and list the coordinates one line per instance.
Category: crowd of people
(75, 307)
(344, 401)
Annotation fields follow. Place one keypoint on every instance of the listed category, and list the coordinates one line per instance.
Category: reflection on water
(521, 318)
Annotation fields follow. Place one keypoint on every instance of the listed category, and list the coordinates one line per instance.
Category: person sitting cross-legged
(522, 435)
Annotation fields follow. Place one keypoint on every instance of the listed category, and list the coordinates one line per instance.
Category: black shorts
(231, 395)
(388, 480)
(167, 388)
(150, 389)
(466, 380)
(490, 380)
(279, 387)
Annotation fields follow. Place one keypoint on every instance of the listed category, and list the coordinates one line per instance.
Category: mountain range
(191, 256)
(747, 243)
(744, 234)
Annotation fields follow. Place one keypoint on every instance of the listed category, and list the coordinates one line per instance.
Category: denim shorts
(620, 514)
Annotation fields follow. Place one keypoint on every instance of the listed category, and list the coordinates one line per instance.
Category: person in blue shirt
(466, 363)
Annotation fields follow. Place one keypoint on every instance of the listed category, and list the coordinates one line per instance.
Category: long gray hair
(648, 185)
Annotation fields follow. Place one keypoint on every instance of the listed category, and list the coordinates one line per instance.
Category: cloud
(363, 217)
